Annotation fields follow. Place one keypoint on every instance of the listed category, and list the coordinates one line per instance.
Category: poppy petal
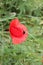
(18, 32)
(23, 38)
(14, 22)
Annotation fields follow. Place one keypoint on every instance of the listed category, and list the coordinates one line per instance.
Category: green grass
(30, 13)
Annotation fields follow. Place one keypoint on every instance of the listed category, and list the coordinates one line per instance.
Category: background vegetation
(30, 13)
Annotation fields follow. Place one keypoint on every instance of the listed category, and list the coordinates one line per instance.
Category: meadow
(30, 14)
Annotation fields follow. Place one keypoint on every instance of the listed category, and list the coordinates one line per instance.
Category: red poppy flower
(18, 31)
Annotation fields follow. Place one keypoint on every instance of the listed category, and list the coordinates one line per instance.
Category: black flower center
(23, 32)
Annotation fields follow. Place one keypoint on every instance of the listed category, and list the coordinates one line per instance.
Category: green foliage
(30, 13)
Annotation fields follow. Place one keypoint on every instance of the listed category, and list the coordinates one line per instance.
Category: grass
(30, 14)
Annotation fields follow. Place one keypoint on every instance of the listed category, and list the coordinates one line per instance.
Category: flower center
(23, 32)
